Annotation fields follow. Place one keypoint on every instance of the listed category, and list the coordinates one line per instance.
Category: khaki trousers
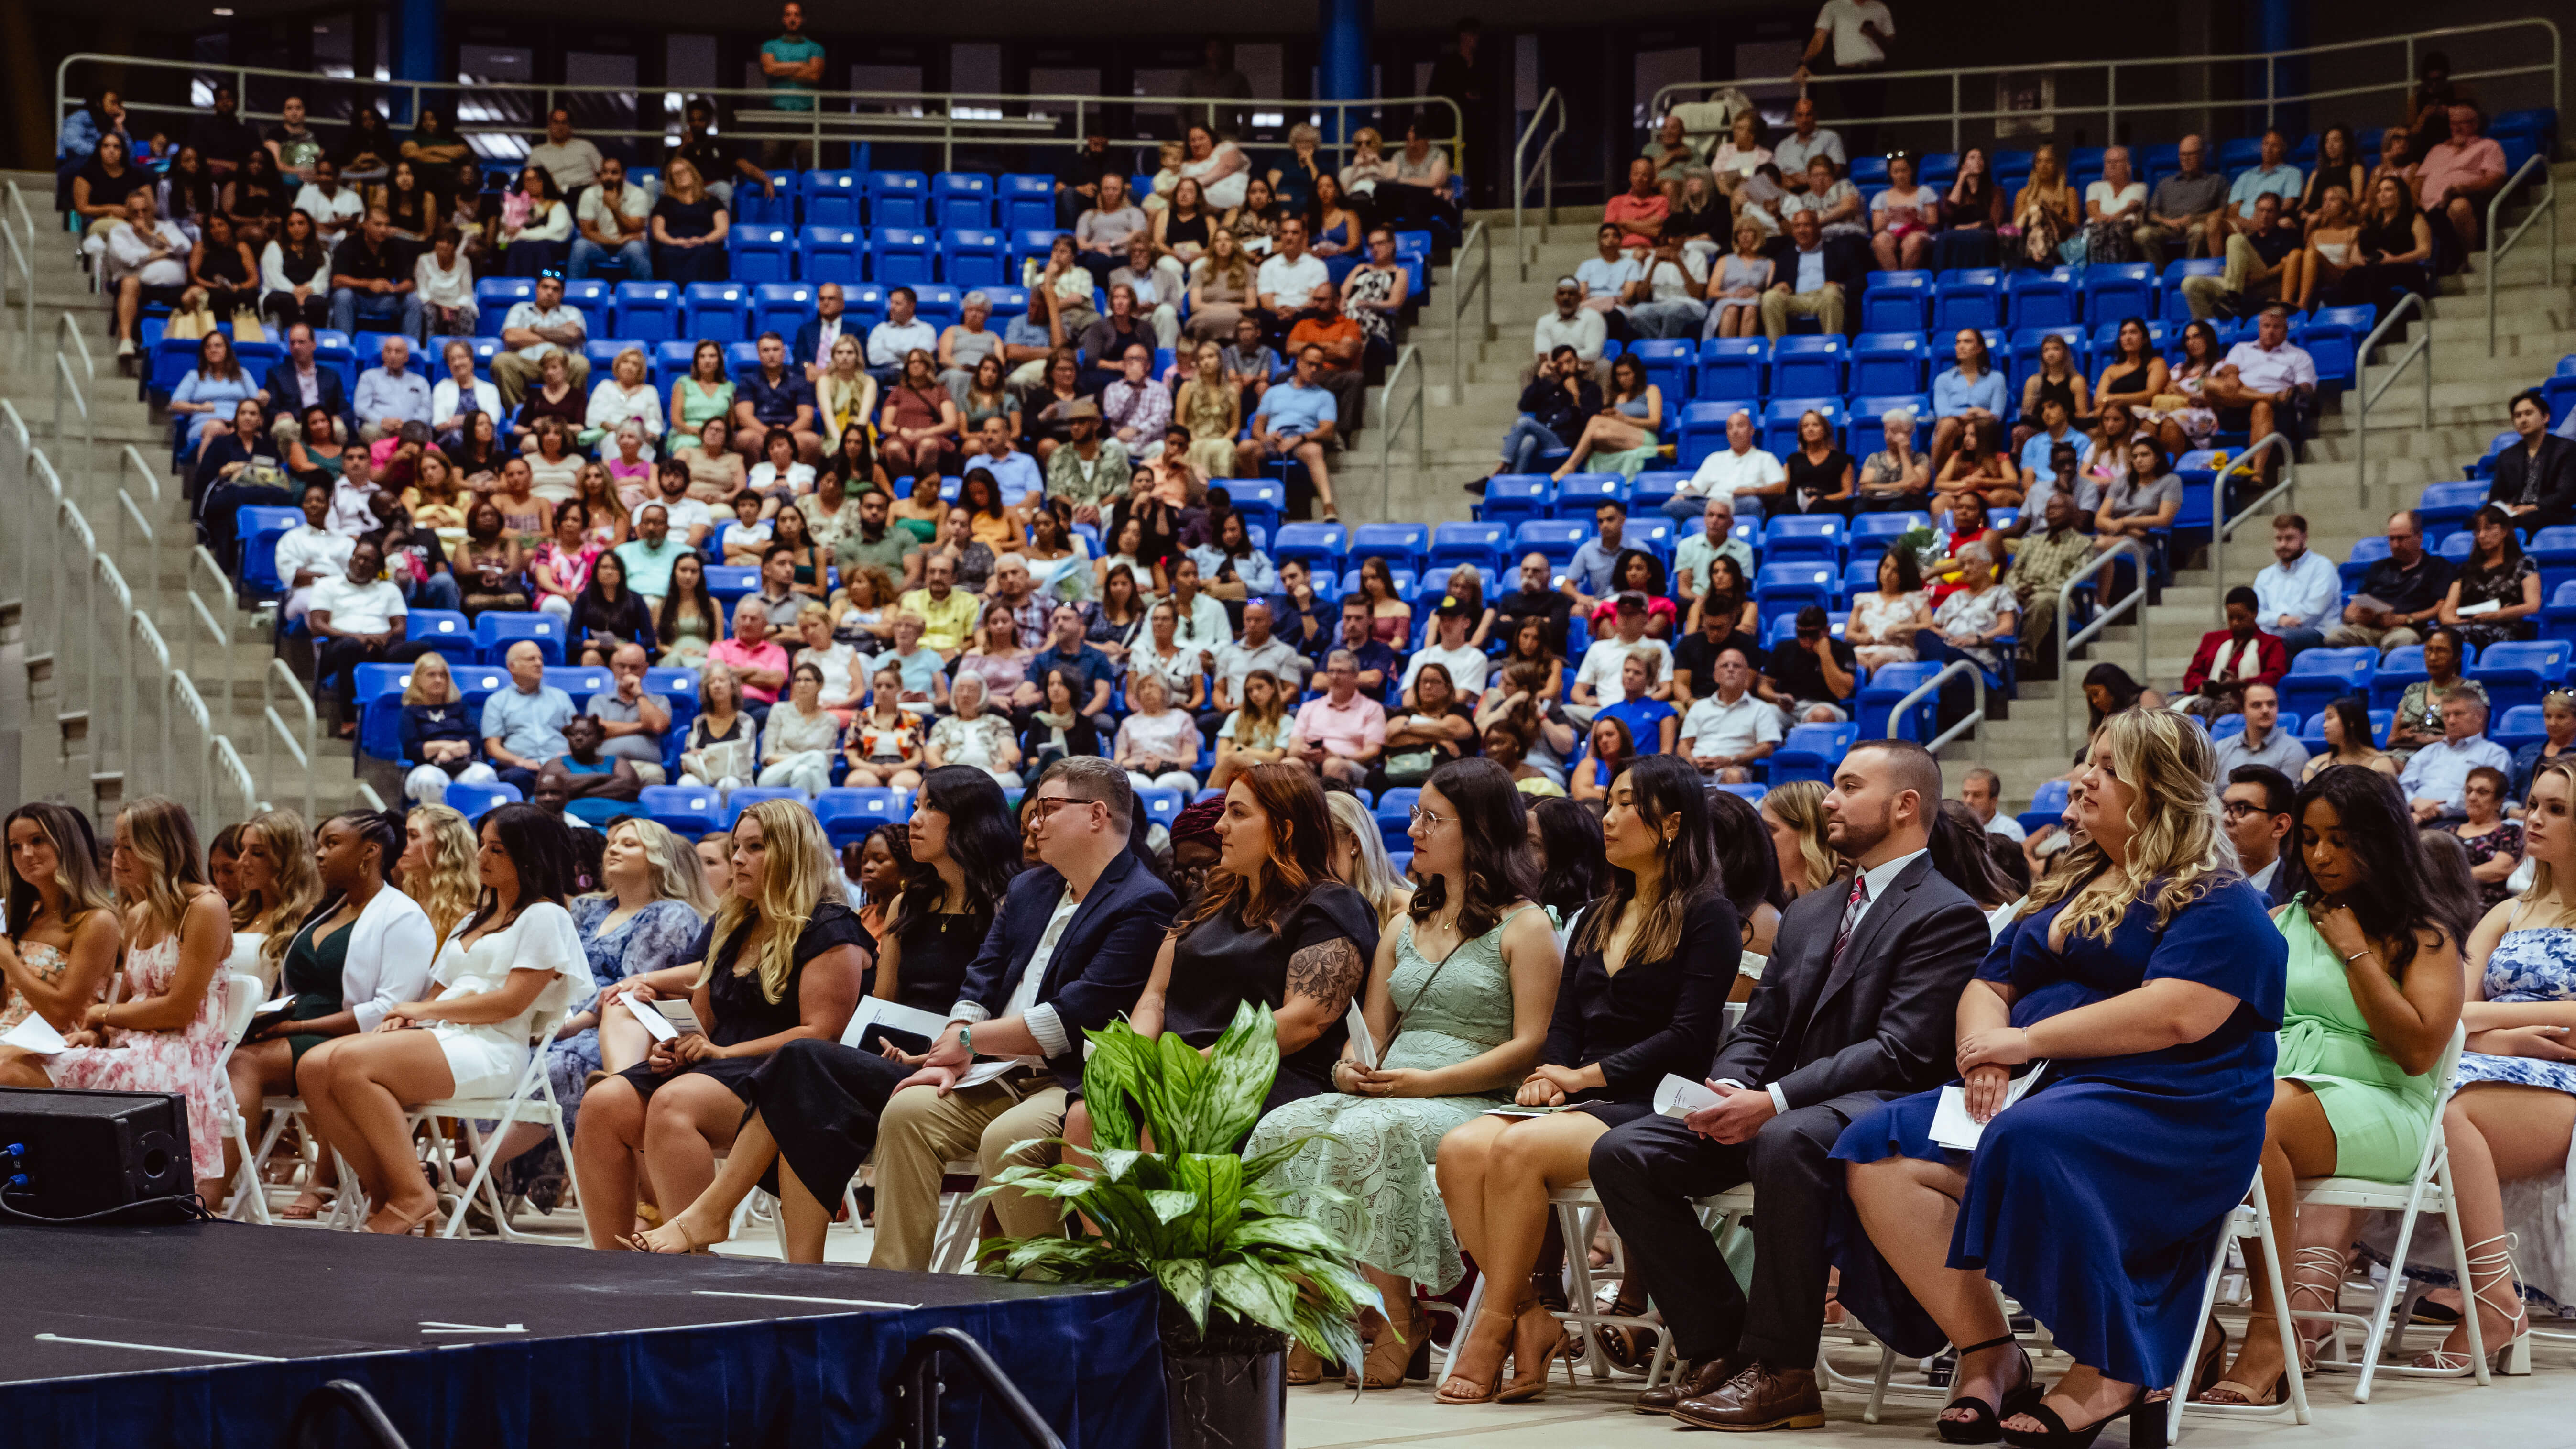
(921, 1132)
(1825, 304)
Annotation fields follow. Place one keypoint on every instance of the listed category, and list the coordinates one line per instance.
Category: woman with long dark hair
(1457, 1005)
(783, 963)
(1567, 839)
(515, 963)
(1668, 934)
(2392, 254)
(964, 852)
(2374, 992)
(691, 621)
(2496, 572)
(2350, 739)
(606, 613)
(294, 274)
(1750, 869)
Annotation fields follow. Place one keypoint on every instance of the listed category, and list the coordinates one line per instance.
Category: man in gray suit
(1856, 1007)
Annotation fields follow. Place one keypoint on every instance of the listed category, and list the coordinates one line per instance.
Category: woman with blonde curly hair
(278, 889)
(437, 866)
(1795, 814)
(2146, 972)
(785, 958)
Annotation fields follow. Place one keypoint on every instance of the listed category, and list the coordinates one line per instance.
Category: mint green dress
(2378, 1112)
(1381, 1148)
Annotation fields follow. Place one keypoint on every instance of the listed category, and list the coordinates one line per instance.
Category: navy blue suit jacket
(284, 392)
(1099, 966)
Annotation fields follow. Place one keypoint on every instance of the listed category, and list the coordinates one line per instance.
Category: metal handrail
(1394, 420)
(2112, 108)
(1522, 170)
(26, 292)
(132, 458)
(919, 1388)
(66, 385)
(2068, 641)
(2497, 247)
(224, 756)
(70, 328)
(208, 625)
(1932, 688)
(2222, 525)
(854, 116)
(280, 733)
(2369, 396)
(1481, 242)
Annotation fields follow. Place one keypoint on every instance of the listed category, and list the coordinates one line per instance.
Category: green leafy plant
(1170, 1199)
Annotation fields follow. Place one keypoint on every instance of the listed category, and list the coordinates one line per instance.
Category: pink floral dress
(189, 1060)
(48, 964)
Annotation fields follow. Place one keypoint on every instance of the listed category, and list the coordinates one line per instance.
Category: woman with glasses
(1667, 936)
(1457, 1003)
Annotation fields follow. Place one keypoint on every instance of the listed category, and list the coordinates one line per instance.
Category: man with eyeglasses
(1069, 951)
(534, 328)
(1340, 733)
(2257, 803)
(2263, 741)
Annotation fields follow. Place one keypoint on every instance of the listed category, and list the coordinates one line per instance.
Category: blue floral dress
(2531, 965)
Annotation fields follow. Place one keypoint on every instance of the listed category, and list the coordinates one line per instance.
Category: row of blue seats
(2515, 672)
(846, 813)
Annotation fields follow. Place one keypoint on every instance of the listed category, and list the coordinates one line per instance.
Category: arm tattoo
(1328, 971)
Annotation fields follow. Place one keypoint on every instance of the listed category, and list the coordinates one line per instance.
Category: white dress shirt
(2308, 588)
(1038, 1017)
(2440, 770)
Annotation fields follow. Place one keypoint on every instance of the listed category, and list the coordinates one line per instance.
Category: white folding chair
(2429, 1190)
(243, 995)
(531, 1100)
(2249, 1219)
(961, 1217)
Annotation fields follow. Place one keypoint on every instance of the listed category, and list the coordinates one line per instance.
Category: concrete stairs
(62, 744)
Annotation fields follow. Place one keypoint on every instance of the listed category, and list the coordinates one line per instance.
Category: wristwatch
(966, 1040)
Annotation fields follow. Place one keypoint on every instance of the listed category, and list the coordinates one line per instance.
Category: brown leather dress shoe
(1761, 1397)
(1689, 1381)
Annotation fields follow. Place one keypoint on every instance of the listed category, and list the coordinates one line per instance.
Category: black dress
(1810, 481)
(937, 949)
(744, 1013)
(1223, 963)
(1649, 1017)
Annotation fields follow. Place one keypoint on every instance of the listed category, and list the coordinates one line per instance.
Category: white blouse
(611, 405)
(543, 938)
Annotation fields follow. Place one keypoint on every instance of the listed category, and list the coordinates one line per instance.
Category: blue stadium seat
(1788, 587)
(1873, 532)
(1812, 751)
(1027, 201)
(2041, 299)
(728, 582)
(2113, 290)
(1703, 428)
(259, 528)
(1486, 545)
(1732, 367)
(935, 303)
(496, 630)
(2399, 668)
(1809, 366)
(2047, 805)
(2448, 505)
(687, 811)
(1163, 805)
(1512, 499)
(847, 814)
(1580, 495)
(2366, 551)
(1402, 545)
(832, 253)
(1880, 693)
(1668, 366)
(1322, 546)
(832, 198)
(601, 353)
(1969, 297)
(1552, 539)
(1888, 362)
(2318, 677)
(590, 297)
(756, 206)
(760, 253)
(1860, 576)
(901, 256)
(1394, 815)
(2558, 614)
(476, 801)
(743, 797)
(1818, 537)
(495, 296)
(781, 307)
(1897, 302)
(2516, 672)
(647, 311)
(2521, 725)
(718, 310)
(451, 631)
(1866, 429)
(971, 257)
(334, 349)
(960, 199)
(1032, 244)
(2333, 339)
(671, 362)
(1781, 417)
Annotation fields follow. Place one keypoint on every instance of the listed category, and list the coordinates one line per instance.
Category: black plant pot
(1228, 1400)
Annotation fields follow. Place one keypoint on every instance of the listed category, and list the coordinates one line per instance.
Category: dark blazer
(1846, 262)
(1650, 1017)
(809, 338)
(1099, 966)
(2548, 480)
(284, 392)
(1883, 1024)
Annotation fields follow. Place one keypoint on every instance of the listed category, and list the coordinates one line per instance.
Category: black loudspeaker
(77, 1154)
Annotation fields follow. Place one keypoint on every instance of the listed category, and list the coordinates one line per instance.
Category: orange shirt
(1340, 332)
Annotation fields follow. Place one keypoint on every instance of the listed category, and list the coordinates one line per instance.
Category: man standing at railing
(1859, 30)
(1456, 77)
(793, 61)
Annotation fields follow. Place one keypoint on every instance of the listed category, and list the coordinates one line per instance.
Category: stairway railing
(1931, 689)
(2546, 205)
(2068, 641)
(1480, 243)
(1394, 418)
(2286, 490)
(2412, 303)
(1524, 170)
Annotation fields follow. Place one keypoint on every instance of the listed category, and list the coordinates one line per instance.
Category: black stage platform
(208, 1334)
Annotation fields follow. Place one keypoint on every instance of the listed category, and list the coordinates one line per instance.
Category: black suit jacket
(1882, 1024)
(1099, 966)
(285, 393)
(1846, 262)
(2548, 480)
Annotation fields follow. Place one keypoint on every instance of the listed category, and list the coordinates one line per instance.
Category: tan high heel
(1537, 1341)
(1457, 1388)
(1303, 1366)
(1390, 1354)
(2489, 1271)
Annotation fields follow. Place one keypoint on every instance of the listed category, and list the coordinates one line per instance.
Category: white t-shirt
(764, 476)
(739, 534)
(1603, 660)
(1714, 728)
(359, 608)
(683, 516)
(317, 551)
(632, 204)
(1292, 282)
(1729, 472)
(1466, 665)
(1845, 18)
(2114, 202)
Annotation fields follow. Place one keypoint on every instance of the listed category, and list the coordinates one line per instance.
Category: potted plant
(1169, 1198)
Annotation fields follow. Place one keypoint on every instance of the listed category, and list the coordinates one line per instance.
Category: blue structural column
(420, 45)
(1342, 67)
(2272, 27)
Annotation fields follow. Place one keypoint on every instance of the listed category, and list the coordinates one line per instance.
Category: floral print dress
(188, 1061)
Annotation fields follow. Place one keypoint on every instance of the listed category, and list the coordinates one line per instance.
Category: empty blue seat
(1897, 302)
(496, 630)
(717, 310)
(1486, 545)
(1969, 298)
(1579, 495)
(760, 254)
(832, 253)
(1812, 751)
(961, 199)
(2320, 676)
(1322, 546)
(1818, 536)
(848, 813)
(648, 311)
(1027, 201)
(831, 198)
(1516, 498)
(973, 258)
(1888, 362)
(2039, 299)
(935, 303)
(1732, 367)
(451, 631)
(1809, 366)
(898, 198)
(688, 811)
(2113, 290)
(1032, 244)
(1881, 692)
(728, 582)
(2047, 805)
(1402, 545)
(1554, 540)
(475, 801)
(495, 296)
(590, 297)
(1789, 587)
(2521, 725)
(2449, 504)
(2516, 672)
(781, 307)
(900, 256)
(2366, 551)
(2558, 613)
(1163, 805)
(743, 797)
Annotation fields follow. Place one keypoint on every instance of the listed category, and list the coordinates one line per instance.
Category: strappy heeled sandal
(2488, 1271)
(1390, 1355)
(2316, 1271)
(1538, 1341)
(2054, 1434)
(1457, 1387)
(1987, 1427)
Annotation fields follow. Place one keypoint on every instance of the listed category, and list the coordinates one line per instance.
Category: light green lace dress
(1383, 1146)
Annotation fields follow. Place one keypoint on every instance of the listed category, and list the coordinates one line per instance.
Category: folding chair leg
(250, 1198)
(1878, 1385)
(2199, 1329)
(1466, 1320)
(2281, 1299)
(2383, 1305)
(2460, 1265)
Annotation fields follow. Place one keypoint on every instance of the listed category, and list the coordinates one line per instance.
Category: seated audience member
(1903, 218)
(1599, 673)
(2496, 572)
(968, 735)
(2256, 810)
(523, 726)
(62, 945)
(535, 330)
(1808, 675)
(2267, 384)
(2143, 1150)
(1452, 1053)
(1286, 281)
(1975, 616)
(1668, 919)
(308, 555)
(774, 396)
(371, 279)
(2419, 708)
(2373, 994)
(2436, 776)
(2394, 251)
(1100, 234)
(164, 1029)
(587, 788)
(819, 1107)
(2345, 724)
(2143, 498)
(1730, 727)
(438, 731)
(1749, 476)
(1136, 411)
(1970, 390)
(1896, 478)
(892, 341)
(1554, 409)
(1340, 733)
(1715, 540)
(1804, 1065)
(2264, 262)
(1885, 620)
(517, 961)
(920, 424)
(2493, 844)
(2558, 723)
(2047, 558)
(606, 613)
(723, 744)
(672, 1112)
(2459, 174)
(392, 394)
(633, 721)
(1088, 469)
(2228, 659)
(2262, 741)
(1814, 276)
(609, 227)
(1639, 211)
(357, 618)
(1296, 420)
(1155, 286)
(1629, 421)
(2182, 206)
(1344, 342)
(2535, 475)
(2295, 596)
(1156, 744)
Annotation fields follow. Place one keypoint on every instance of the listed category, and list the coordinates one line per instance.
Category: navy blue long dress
(2097, 1198)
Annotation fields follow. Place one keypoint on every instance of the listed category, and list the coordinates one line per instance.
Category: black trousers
(1649, 1171)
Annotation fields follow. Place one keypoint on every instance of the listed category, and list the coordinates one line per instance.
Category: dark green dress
(313, 974)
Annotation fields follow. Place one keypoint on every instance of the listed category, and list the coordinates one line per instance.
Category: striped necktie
(1851, 918)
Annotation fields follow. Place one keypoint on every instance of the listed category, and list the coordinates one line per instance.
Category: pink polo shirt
(733, 655)
(1348, 730)
(2449, 167)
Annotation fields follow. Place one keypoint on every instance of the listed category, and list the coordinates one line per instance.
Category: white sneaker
(124, 348)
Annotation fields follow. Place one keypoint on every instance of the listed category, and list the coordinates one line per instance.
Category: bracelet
(2357, 955)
